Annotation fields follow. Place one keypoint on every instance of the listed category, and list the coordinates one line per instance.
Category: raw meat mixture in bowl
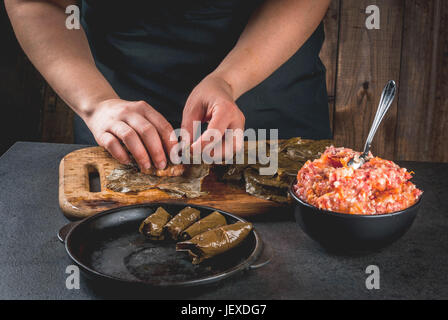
(377, 187)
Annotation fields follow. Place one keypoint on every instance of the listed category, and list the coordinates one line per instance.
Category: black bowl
(349, 233)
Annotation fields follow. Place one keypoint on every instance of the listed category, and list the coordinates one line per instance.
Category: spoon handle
(387, 97)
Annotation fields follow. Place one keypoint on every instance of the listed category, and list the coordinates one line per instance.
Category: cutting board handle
(75, 171)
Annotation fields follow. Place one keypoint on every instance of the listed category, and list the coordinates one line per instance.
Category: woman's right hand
(143, 130)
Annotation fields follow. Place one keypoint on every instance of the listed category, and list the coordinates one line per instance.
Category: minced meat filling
(377, 187)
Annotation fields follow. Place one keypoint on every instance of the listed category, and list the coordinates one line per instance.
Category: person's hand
(212, 101)
(143, 130)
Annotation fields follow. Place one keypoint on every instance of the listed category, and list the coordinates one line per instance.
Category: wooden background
(411, 47)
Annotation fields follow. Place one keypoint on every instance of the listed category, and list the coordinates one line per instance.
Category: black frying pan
(108, 247)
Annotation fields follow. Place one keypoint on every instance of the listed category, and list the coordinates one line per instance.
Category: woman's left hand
(212, 101)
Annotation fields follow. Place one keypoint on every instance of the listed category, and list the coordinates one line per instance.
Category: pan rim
(242, 266)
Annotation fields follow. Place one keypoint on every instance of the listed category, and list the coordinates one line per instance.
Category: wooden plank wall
(329, 53)
(57, 119)
(411, 47)
(367, 59)
(422, 124)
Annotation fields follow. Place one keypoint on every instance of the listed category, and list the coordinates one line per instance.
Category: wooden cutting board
(76, 200)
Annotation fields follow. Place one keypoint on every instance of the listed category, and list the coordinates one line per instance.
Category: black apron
(158, 51)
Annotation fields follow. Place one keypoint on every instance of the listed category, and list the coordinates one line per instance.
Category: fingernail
(162, 164)
(147, 166)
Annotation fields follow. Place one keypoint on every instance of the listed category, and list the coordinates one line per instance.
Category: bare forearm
(61, 55)
(274, 33)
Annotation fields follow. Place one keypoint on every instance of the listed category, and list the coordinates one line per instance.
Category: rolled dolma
(212, 221)
(215, 242)
(185, 218)
(152, 226)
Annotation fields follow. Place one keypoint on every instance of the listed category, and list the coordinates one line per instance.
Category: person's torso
(158, 51)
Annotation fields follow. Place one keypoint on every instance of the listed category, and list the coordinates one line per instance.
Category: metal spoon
(387, 97)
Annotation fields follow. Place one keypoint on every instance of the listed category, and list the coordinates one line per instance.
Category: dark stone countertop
(33, 261)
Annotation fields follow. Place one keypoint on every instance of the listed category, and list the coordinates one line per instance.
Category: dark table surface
(33, 262)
